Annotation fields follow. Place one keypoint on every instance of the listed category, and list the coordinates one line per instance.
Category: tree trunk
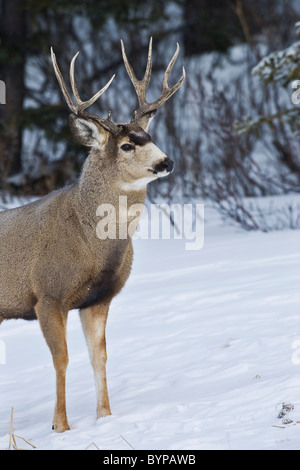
(12, 67)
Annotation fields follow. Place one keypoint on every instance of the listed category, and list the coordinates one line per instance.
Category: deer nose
(165, 164)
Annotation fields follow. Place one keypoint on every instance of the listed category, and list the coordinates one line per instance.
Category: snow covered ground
(203, 350)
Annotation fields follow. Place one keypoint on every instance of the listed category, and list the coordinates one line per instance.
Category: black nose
(165, 164)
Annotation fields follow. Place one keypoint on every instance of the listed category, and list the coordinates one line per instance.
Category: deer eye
(127, 147)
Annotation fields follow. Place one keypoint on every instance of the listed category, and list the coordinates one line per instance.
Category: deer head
(129, 145)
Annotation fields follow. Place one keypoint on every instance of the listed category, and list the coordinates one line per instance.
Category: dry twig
(127, 442)
(92, 444)
(13, 436)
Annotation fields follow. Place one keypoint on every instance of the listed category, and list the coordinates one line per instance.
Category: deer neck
(102, 184)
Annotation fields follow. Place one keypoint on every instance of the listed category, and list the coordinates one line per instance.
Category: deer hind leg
(53, 325)
(93, 321)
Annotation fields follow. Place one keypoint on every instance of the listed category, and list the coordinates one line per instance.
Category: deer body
(53, 229)
(51, 259)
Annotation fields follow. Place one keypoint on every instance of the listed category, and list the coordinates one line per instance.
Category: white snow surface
(203, 349)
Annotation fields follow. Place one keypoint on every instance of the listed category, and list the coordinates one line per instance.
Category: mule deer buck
(51, 260)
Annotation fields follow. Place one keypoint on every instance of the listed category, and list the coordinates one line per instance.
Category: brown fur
(51, 259)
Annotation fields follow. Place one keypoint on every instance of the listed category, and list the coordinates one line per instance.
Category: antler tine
(79, 104)
(147, 75)
(167, 92)
(72, 79)
(168, 72)
(139, 85)
(62, 83)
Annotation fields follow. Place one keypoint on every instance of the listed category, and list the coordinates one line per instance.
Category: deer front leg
(53, 325)
(93, 321)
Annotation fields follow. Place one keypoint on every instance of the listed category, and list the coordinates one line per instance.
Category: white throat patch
(137, 185)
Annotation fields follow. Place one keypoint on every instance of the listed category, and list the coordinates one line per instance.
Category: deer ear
(87, 132)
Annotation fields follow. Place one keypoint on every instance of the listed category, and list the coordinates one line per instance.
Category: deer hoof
(61, 427)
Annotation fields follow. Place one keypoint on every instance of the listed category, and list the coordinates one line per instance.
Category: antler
(79, 105)
(141, 85)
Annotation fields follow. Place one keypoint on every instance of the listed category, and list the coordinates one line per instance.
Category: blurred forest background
(232, 129)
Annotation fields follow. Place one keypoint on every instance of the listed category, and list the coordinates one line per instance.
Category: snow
(278, 65)
(203, 350)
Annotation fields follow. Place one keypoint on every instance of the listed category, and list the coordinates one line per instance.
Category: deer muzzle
(165, 165)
